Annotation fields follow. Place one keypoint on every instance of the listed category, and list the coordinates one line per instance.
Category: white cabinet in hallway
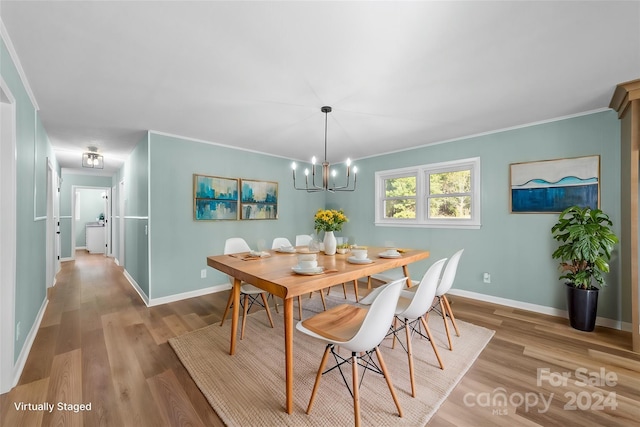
(95, 238)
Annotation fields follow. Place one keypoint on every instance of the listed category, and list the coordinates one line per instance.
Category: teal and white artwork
(551, 186)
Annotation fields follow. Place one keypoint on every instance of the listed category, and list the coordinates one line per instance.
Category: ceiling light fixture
(92, 159)
(325, 171)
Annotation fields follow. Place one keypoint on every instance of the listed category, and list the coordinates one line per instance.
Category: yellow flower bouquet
(329, 220)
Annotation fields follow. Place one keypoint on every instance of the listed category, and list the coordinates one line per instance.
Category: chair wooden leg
(356, 391)
(433, 344)
(388, 378)
(266, 307)
(368, 282)
(355, 289)
(299, 307)
(344, 290)
(450, 312)
(324, 303)
(244, 315)
(325, 356)
(410, 357)
(226, 310)
(446, 325)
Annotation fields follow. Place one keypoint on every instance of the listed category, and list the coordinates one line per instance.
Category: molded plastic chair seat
(360, 331)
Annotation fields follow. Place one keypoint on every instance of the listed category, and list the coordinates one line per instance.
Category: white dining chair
(303, 239)
(360, 331)
(280, 242)
(248, 293)
(441, 301)
(412, 309)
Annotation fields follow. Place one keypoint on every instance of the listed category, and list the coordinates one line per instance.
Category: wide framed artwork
(551, 186)
(258, 199)
(215, 198)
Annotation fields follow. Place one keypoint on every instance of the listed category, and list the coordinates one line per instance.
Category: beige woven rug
(248, 389)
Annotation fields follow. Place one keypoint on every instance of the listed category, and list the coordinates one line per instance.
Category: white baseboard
(135, 286)
(26, 348)
(66, 259)
(190, 294)
(550, 311)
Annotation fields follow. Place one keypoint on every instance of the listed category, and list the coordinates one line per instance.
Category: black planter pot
(582, 305)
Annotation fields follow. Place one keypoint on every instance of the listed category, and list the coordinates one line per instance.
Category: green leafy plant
(586, 245)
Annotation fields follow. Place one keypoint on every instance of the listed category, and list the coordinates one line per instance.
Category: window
(443, 195)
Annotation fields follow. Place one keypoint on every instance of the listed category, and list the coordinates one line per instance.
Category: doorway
(90, 208)
(53, 225)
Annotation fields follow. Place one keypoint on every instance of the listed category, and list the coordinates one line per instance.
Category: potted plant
(586, 243)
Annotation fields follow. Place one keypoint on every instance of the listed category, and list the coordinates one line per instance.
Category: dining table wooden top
(274, 274)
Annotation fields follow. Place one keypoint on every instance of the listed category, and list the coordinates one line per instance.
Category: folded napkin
(259, 254)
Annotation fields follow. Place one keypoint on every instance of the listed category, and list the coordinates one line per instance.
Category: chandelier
(324, 170)
(92, 159)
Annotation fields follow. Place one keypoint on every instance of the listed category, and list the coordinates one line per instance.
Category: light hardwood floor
(99, 344)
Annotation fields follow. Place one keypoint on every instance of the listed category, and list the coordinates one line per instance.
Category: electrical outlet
(203, 273)
(486, 278)
(18, 332)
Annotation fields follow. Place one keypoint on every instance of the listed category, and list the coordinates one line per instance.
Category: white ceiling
(255, 74)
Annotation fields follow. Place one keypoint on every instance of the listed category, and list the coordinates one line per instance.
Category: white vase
(330, 243)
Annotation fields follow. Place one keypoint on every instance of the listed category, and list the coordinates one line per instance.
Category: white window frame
(422, 182)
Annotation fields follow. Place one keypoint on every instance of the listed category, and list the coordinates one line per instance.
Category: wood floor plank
(65, 391)
(173, 402)
(97, 385)
(132, 391)
(14, 413)
(70, 339)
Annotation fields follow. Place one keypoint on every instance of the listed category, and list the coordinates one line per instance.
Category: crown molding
(623, 95)
(16, 62)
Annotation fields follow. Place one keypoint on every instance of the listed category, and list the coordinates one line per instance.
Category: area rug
(248, 388)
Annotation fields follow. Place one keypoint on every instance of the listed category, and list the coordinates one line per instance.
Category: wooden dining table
(274, 274)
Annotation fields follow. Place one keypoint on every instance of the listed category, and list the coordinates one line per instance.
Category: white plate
(354, 260)
(308, 271)
(385, 255)
(287, 251)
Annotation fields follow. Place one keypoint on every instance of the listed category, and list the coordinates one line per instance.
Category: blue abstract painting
(550, 186)
(259, 200)
(215, 198)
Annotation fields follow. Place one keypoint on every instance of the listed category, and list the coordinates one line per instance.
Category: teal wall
(515, 248)
(69, 180)
(136, 177)
(33, 148)
(179, 244)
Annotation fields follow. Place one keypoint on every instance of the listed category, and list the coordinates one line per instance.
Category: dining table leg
(235, 311)
(405, 270)
(288, 351)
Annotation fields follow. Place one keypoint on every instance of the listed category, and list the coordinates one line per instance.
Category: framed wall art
(215, 198)
(258, 200)
(551, 186)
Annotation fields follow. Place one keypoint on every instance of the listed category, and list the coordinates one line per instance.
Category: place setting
(308, 265)
(286, 249)
(359, 256)
(390, 253)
